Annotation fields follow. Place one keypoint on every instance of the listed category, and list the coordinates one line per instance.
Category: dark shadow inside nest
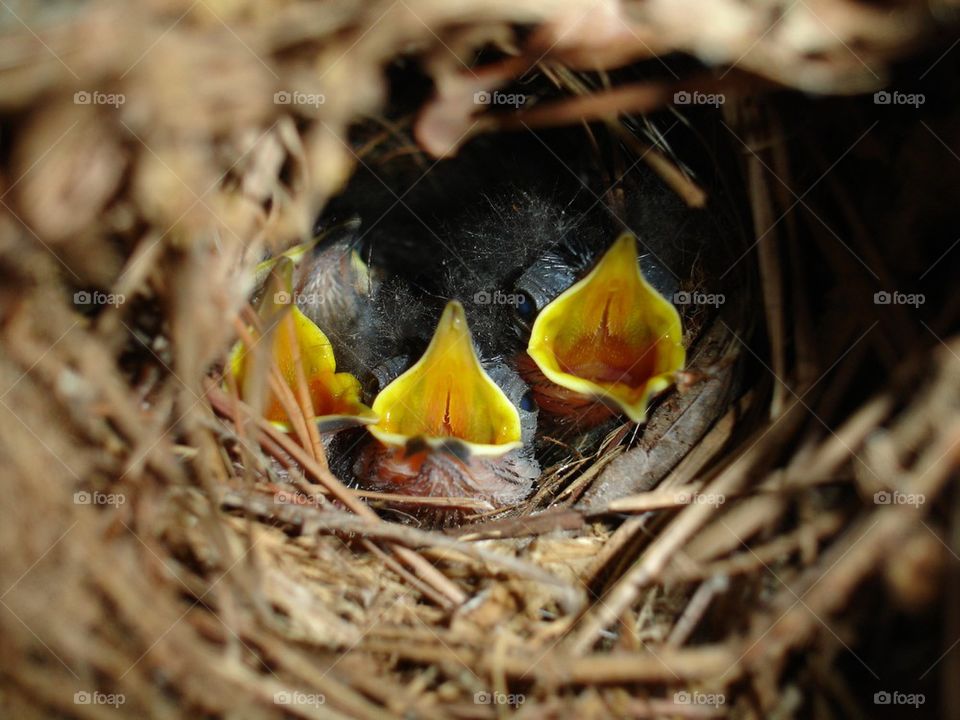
(495, 228)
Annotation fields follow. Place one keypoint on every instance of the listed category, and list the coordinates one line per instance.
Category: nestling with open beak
(606, 345)
(294, 344)
(448, 429)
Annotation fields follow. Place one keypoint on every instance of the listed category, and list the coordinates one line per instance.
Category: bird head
(446, 400)
(295, 340)
(611, 336)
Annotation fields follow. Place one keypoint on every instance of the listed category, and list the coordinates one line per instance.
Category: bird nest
(779, 539)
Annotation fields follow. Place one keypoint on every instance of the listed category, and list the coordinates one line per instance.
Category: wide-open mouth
(611, 335)
(447, 399)
(335, 397)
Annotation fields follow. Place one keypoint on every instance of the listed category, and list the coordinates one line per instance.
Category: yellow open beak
(446, 400)
(611, 336)
(336, 397)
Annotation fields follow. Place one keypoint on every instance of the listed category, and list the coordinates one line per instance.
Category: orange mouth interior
(606, 357)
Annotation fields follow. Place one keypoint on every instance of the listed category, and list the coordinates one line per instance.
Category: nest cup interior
(504, 228)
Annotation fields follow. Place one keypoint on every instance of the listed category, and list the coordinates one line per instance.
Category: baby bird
(287, 340)
(606, 344)
(448, 429)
